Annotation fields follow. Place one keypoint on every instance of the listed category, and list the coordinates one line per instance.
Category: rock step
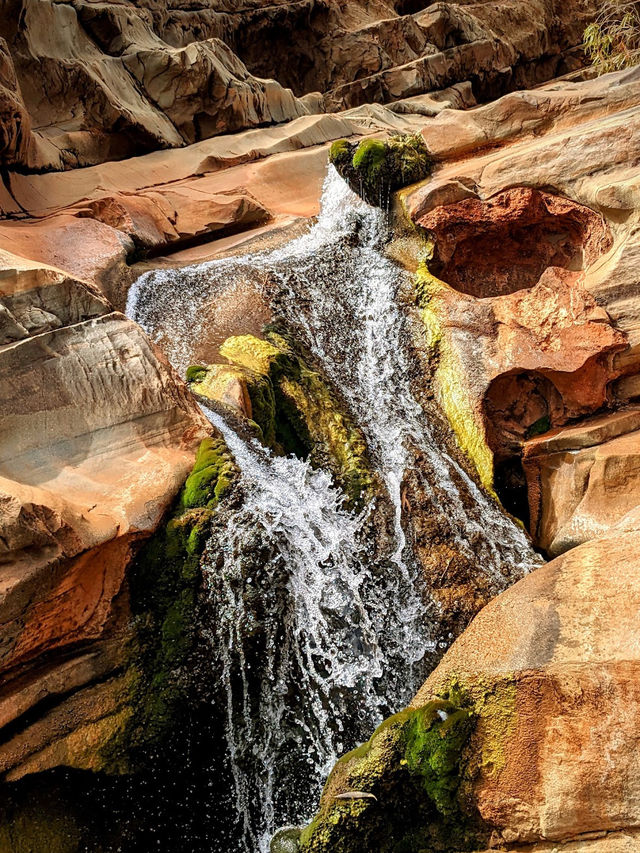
(586, 433)
(583, 479)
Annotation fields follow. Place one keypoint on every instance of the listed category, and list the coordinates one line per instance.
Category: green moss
(408, 160)
(298, 412)
(213, 474)
(449, 377)
(433, 752)
(196, 372)
(340, 152)
(369, 159)
(540, 426)
(255, 353)
(375, 168)
(164, 584)
(413, 766)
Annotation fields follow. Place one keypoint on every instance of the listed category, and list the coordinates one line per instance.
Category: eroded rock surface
(524, 737)
(164, 75)
(97, 436)
(532, 249)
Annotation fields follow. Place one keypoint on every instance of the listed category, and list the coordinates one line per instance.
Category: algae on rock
(403, 787)
(164, 594)
(293, 406)
(449, 378)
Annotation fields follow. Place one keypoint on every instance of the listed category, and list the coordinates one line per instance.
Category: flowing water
(320, 629)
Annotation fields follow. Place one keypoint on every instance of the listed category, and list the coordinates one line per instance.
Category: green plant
(612, 41)
(375, 169)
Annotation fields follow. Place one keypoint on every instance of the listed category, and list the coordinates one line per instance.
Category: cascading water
(319, 630)
(330, 651)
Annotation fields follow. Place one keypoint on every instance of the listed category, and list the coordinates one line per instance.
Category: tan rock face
(555, 658)
(96, 438)
(158, 76)
(15, 124)
(583, 479)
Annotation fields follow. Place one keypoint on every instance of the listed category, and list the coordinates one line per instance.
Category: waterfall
(319, 630)
(331, 650)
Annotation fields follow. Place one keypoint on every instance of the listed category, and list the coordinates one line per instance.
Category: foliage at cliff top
(374, 168)
(612, 41)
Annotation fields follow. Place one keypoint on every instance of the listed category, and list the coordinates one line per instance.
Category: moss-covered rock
(165, 582)
(401, 791)
(247, 391)
(375, 168)
(449, 376)
(295, 408)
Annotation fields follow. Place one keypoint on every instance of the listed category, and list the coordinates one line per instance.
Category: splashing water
(320, 631)
(330, 652)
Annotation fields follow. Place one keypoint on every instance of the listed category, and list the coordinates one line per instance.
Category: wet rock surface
(527, 332)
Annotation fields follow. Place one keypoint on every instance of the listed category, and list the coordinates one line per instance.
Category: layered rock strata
(97, 437)
(164, 74)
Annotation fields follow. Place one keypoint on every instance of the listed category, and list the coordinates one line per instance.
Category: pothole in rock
(518, 406)
(502, 245)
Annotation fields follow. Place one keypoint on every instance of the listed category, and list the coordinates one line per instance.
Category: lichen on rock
(375, 168)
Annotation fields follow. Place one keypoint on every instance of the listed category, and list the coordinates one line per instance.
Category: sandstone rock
(159, 76)
(582, 480)
(523, 114)
(146, 94)
(493, 43)
(504, 244)
(508, 364)
(578, 154)
(96, 439)
(35, 299)
(15, 123)
(551, 663)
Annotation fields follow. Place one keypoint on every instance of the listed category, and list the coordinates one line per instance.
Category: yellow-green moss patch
(296, 410)
(449, 377)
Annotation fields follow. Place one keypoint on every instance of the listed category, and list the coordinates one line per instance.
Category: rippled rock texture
(82, 82)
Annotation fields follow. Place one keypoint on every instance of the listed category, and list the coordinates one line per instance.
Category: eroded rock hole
(517, 407)
(500, 246)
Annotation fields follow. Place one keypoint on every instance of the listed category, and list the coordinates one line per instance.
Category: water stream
(320, 628)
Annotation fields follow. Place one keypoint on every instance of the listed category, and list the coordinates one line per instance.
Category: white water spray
(339, 633)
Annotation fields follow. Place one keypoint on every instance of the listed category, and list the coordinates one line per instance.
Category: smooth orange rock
(583, 479)
(553, 663)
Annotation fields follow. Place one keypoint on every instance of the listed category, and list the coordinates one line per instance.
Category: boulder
(582, 479)
(553, 663)
(524, 738)
(97, 437)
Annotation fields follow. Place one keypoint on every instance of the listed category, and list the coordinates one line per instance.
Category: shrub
(612, 41)
(374, 169)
